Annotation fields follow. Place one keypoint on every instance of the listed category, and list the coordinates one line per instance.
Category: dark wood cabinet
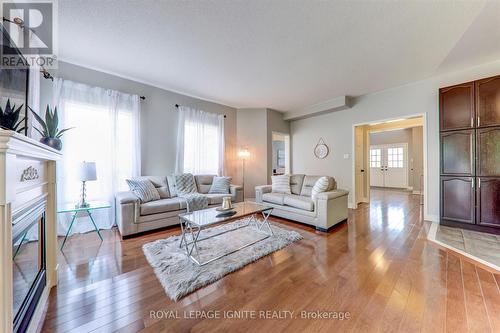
(488, 102)
(456, 106)
(458, 199)
(488, 151)
(458, 153)
(488, 202)
(469, 120)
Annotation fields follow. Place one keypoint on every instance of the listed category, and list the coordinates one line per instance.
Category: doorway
(389, 165)
(389, 153)
(280, 155)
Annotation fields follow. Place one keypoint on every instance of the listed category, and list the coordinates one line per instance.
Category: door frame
(354, 203)
(405, 156)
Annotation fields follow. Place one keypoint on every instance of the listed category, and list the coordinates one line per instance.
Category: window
(395, 157)
(375, 158)
(201, 148)
(200, 142)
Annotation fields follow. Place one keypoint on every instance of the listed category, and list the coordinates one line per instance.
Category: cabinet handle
(479, 182)
(472, 184)
(471, 121)
(478, 121)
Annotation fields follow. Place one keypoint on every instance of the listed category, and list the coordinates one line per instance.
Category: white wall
(158, 116)
(337, 129)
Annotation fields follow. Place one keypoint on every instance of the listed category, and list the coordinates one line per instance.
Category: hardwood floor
(379, 267)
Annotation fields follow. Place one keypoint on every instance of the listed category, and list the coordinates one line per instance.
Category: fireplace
(28, 230)
(28, 262)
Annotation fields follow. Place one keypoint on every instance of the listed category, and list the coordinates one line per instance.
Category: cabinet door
(457, 199)
(456, 107)
(488, 202)
(488, 102)
(457, 153)
(488, 151)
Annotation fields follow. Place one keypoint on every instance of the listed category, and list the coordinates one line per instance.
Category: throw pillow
(220, 185)
(281, 184)
(321, 185)
(184, 184)
(143, 189)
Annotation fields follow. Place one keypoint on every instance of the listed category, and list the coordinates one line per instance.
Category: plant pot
(55, 143)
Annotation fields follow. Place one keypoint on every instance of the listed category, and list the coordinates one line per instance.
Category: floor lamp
(244, 154)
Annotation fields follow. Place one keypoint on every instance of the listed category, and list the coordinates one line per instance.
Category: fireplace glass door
(28, 263)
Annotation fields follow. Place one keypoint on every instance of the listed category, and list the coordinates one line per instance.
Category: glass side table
(71, 208)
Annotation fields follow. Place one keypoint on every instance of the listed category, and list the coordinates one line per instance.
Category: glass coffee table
(193, 223)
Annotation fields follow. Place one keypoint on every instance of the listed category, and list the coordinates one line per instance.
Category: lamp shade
(88, 171)
(244, 153)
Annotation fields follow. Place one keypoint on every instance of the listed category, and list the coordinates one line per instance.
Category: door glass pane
(395, 157)
(375, 158)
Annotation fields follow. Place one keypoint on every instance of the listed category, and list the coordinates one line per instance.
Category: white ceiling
(284, 55)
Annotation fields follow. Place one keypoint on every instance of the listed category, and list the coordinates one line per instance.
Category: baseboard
(430, 217)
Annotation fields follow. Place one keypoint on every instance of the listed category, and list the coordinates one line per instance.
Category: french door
(389, 166)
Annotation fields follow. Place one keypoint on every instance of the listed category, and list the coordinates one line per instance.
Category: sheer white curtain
(106, 132)
(200, 142)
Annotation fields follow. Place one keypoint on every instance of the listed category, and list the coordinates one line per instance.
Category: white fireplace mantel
(20, 154)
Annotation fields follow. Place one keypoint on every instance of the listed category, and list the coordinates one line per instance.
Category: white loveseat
(327, 210)
(133, 217)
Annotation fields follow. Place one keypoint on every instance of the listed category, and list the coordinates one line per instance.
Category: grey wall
(408, 100)
(252, 135)
(158, 116)
(413, 137)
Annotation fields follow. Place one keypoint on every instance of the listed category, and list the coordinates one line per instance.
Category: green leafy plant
(50, 124)
(9, 117)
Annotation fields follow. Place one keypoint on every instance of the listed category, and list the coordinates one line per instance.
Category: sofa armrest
(127, 211)
(236, 192)
(126, 197)
(332, 194)
(260, 190)
(331, 208)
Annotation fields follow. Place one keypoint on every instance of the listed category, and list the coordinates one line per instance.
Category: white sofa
(327, 210)
(134, 217)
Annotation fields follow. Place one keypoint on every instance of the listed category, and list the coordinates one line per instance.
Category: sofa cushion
(298, 201)
(160, 206)
(296, 183)
(160, 183)
(184, 184)
(171, 186)
(281, 184)
(220, 185)
(143, 189)
(322, 185)
(216, 198)
(204, 182)
(276, 198)
(308, 184)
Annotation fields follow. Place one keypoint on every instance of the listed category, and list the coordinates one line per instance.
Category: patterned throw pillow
(184, 184)
(281, 184)
(322, 185)
(220, 185)
(143, 189)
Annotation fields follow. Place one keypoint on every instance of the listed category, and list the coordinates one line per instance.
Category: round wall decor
(321, 150)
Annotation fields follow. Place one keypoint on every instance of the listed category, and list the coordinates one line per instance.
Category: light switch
(346, 156)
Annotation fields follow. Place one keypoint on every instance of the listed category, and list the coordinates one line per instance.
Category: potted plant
(9, 117)
(51, 135)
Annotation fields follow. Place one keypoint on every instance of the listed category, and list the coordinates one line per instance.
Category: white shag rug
(180, 276)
